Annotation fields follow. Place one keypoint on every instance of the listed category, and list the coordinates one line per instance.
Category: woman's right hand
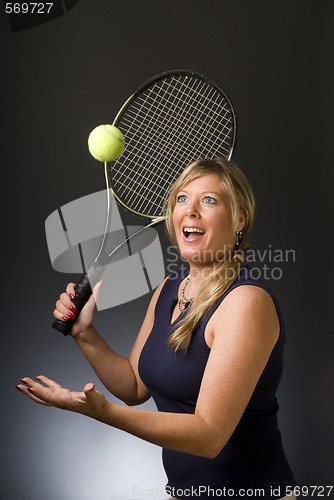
(65, 309)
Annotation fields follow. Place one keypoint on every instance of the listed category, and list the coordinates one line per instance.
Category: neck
(200, 272)
(197, 275)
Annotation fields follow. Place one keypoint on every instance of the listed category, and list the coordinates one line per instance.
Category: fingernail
(21, 379)
(65, 318)
(18, 388)
(71, 315)
(92, 388)
(30, 390)
(72, 296)
(37, 378)
(73, 309)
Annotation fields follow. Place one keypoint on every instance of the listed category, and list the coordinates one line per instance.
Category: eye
(182, 198)
(210, 200)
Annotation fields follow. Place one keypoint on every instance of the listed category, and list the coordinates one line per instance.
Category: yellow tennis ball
(106, 143)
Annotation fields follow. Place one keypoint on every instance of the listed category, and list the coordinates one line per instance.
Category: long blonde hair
(223, 273)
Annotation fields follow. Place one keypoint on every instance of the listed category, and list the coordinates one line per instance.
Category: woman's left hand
(89, 402)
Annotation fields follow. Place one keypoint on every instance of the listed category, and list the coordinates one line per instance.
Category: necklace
(183, 301)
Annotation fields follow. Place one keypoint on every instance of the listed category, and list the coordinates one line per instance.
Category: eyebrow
(204, 192)
(212, 192)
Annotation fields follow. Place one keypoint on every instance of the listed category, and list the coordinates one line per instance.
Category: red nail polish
(30, 390)
(18, 388)
(72, 296)
(71, 315)
(21, 379)
(65, 318)
(73, 309)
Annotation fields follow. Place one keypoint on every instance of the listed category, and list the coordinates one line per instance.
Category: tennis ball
(106, 143)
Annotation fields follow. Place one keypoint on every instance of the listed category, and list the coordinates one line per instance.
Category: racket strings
(166, 143)
(155, 144)
(173, 123)
(192, 119)
(185, 127)
(181, 117)
(197, 114)
(147, 114)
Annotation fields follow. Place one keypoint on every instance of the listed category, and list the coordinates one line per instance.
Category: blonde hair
(223, 273)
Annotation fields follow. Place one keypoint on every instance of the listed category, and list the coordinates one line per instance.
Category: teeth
(193, 230)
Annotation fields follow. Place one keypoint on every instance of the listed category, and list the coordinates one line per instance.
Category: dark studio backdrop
(60, 79)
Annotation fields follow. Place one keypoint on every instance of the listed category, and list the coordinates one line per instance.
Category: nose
(192, 211)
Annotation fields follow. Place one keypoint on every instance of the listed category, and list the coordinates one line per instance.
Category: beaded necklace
(183, 301)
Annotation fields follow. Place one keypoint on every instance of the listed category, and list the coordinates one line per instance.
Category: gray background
(61, 79)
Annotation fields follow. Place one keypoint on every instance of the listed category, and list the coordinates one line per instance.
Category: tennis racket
(172, 120)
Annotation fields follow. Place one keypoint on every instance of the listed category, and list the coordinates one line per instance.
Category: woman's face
(202, 221)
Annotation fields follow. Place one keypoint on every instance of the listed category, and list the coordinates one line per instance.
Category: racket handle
(82, 293)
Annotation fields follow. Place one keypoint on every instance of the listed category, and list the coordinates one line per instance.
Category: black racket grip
(83, 291)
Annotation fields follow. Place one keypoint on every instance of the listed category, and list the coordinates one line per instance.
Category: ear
(242, 220)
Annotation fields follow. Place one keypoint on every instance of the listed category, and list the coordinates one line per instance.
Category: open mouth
(193, 232)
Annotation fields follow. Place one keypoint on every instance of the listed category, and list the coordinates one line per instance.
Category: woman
(209, 352)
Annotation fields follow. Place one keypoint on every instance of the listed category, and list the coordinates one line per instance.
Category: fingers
(48, 382)
(96, 290)
(47, 392)
(91, 303)
(65, 308)
(96, 401)
(51, 384)
(89, 387)
(70, 290)
(32, 389)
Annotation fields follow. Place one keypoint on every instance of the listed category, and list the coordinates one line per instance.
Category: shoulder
(250, 293)
(247, 297)
(249, 310)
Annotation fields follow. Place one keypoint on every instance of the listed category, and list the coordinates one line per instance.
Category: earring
(238, 240)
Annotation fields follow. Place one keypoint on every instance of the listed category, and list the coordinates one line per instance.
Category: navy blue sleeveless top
(253, 458)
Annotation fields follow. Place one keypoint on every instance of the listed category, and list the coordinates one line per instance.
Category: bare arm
(117, 373)
(245, 329)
